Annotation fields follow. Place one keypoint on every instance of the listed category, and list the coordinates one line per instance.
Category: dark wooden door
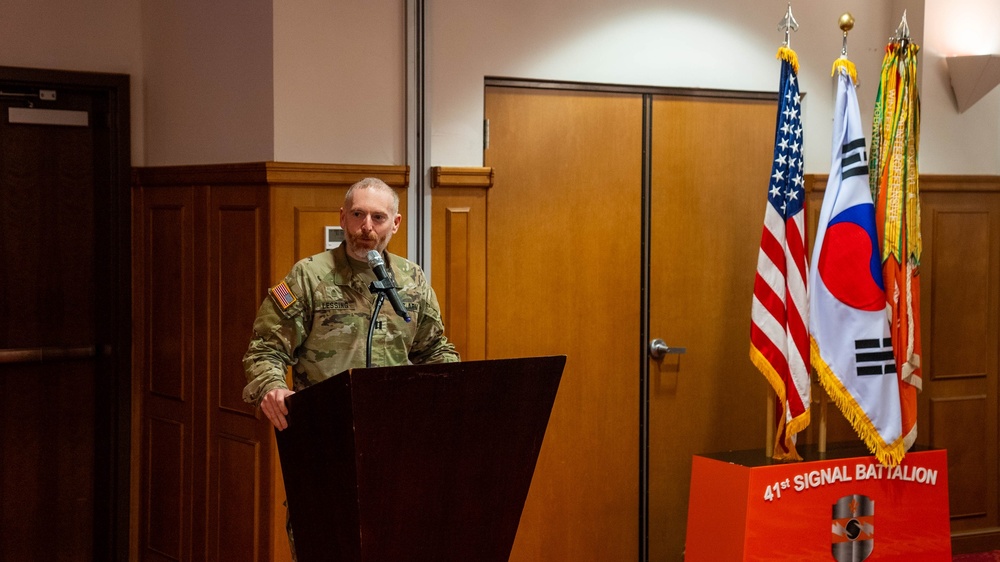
(63, 316)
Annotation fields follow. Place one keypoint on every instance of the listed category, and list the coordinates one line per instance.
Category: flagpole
(779, 348)
(787, 24)
(823, 401)
(771, 428)
(846, 24)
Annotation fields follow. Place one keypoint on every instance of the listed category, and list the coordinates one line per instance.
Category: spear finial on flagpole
(788, 24)
(902, 30)
(785, 52)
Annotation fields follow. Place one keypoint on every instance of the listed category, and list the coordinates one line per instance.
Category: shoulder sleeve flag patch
(282, 295)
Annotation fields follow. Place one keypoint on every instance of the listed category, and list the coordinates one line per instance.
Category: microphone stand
(378, 288)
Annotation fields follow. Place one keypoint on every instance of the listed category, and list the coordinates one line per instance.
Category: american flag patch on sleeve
(282, 295)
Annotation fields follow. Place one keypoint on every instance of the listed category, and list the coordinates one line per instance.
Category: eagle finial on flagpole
(788, 24)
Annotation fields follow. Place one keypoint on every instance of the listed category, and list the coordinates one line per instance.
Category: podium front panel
(433, 461)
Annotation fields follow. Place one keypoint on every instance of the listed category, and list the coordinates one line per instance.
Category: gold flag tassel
(788, 55)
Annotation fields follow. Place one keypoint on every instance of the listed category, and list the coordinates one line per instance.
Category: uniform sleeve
(430, 344)
(281, 326)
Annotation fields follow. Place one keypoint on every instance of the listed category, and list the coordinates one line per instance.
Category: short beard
(360, 251)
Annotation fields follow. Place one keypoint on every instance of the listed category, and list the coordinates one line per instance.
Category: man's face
(369, 223)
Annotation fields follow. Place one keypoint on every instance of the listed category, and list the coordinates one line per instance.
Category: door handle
(658, 348)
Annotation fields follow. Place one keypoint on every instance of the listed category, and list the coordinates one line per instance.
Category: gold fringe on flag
(848, 66)
(786, 53)
(889, 454)
(783, 451)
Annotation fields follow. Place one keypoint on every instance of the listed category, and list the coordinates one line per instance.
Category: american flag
(779, 338)
(282, 295)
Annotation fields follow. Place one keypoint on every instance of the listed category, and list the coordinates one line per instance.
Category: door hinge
(486, 134)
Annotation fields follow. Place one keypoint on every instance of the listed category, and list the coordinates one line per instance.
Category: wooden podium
(413, 463)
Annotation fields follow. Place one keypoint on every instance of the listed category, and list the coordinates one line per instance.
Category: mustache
(371, 236)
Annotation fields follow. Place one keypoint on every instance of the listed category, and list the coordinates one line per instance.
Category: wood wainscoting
(458, 254)
(207, 243)
(209, 240)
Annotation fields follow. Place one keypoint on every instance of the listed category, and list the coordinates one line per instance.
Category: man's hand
(273, 406)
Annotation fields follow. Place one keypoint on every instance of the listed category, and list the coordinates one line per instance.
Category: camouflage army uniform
(317, 320)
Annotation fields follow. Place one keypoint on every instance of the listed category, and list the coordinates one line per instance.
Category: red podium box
(844, 507)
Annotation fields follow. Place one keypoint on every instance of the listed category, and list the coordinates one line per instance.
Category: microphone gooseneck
(384, 284)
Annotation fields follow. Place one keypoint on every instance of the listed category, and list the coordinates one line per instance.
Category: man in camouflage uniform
(316, 320)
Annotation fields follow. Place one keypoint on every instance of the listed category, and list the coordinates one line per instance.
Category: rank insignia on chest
(282, 295)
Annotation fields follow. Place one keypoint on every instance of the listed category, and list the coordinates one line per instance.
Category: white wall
(950, 142)
(319, 81)
(708, 44)
(208, 81)
(340, 81)
(84, 36)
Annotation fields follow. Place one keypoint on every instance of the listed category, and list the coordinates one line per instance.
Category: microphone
(385, 284)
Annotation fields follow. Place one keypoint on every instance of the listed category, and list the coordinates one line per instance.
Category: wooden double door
(617, 218)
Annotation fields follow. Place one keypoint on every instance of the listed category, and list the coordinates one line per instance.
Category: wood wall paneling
(236, 534)
(967, 474)
(166, 522)
(958, 320)
(167, 374)
(457, 225)
(169, 255)
(237, 277)
(458, 254)
(960, 312)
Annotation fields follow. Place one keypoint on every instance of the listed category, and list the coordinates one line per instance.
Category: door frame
(113, 399)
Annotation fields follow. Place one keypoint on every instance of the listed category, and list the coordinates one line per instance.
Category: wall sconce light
(972, 77)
